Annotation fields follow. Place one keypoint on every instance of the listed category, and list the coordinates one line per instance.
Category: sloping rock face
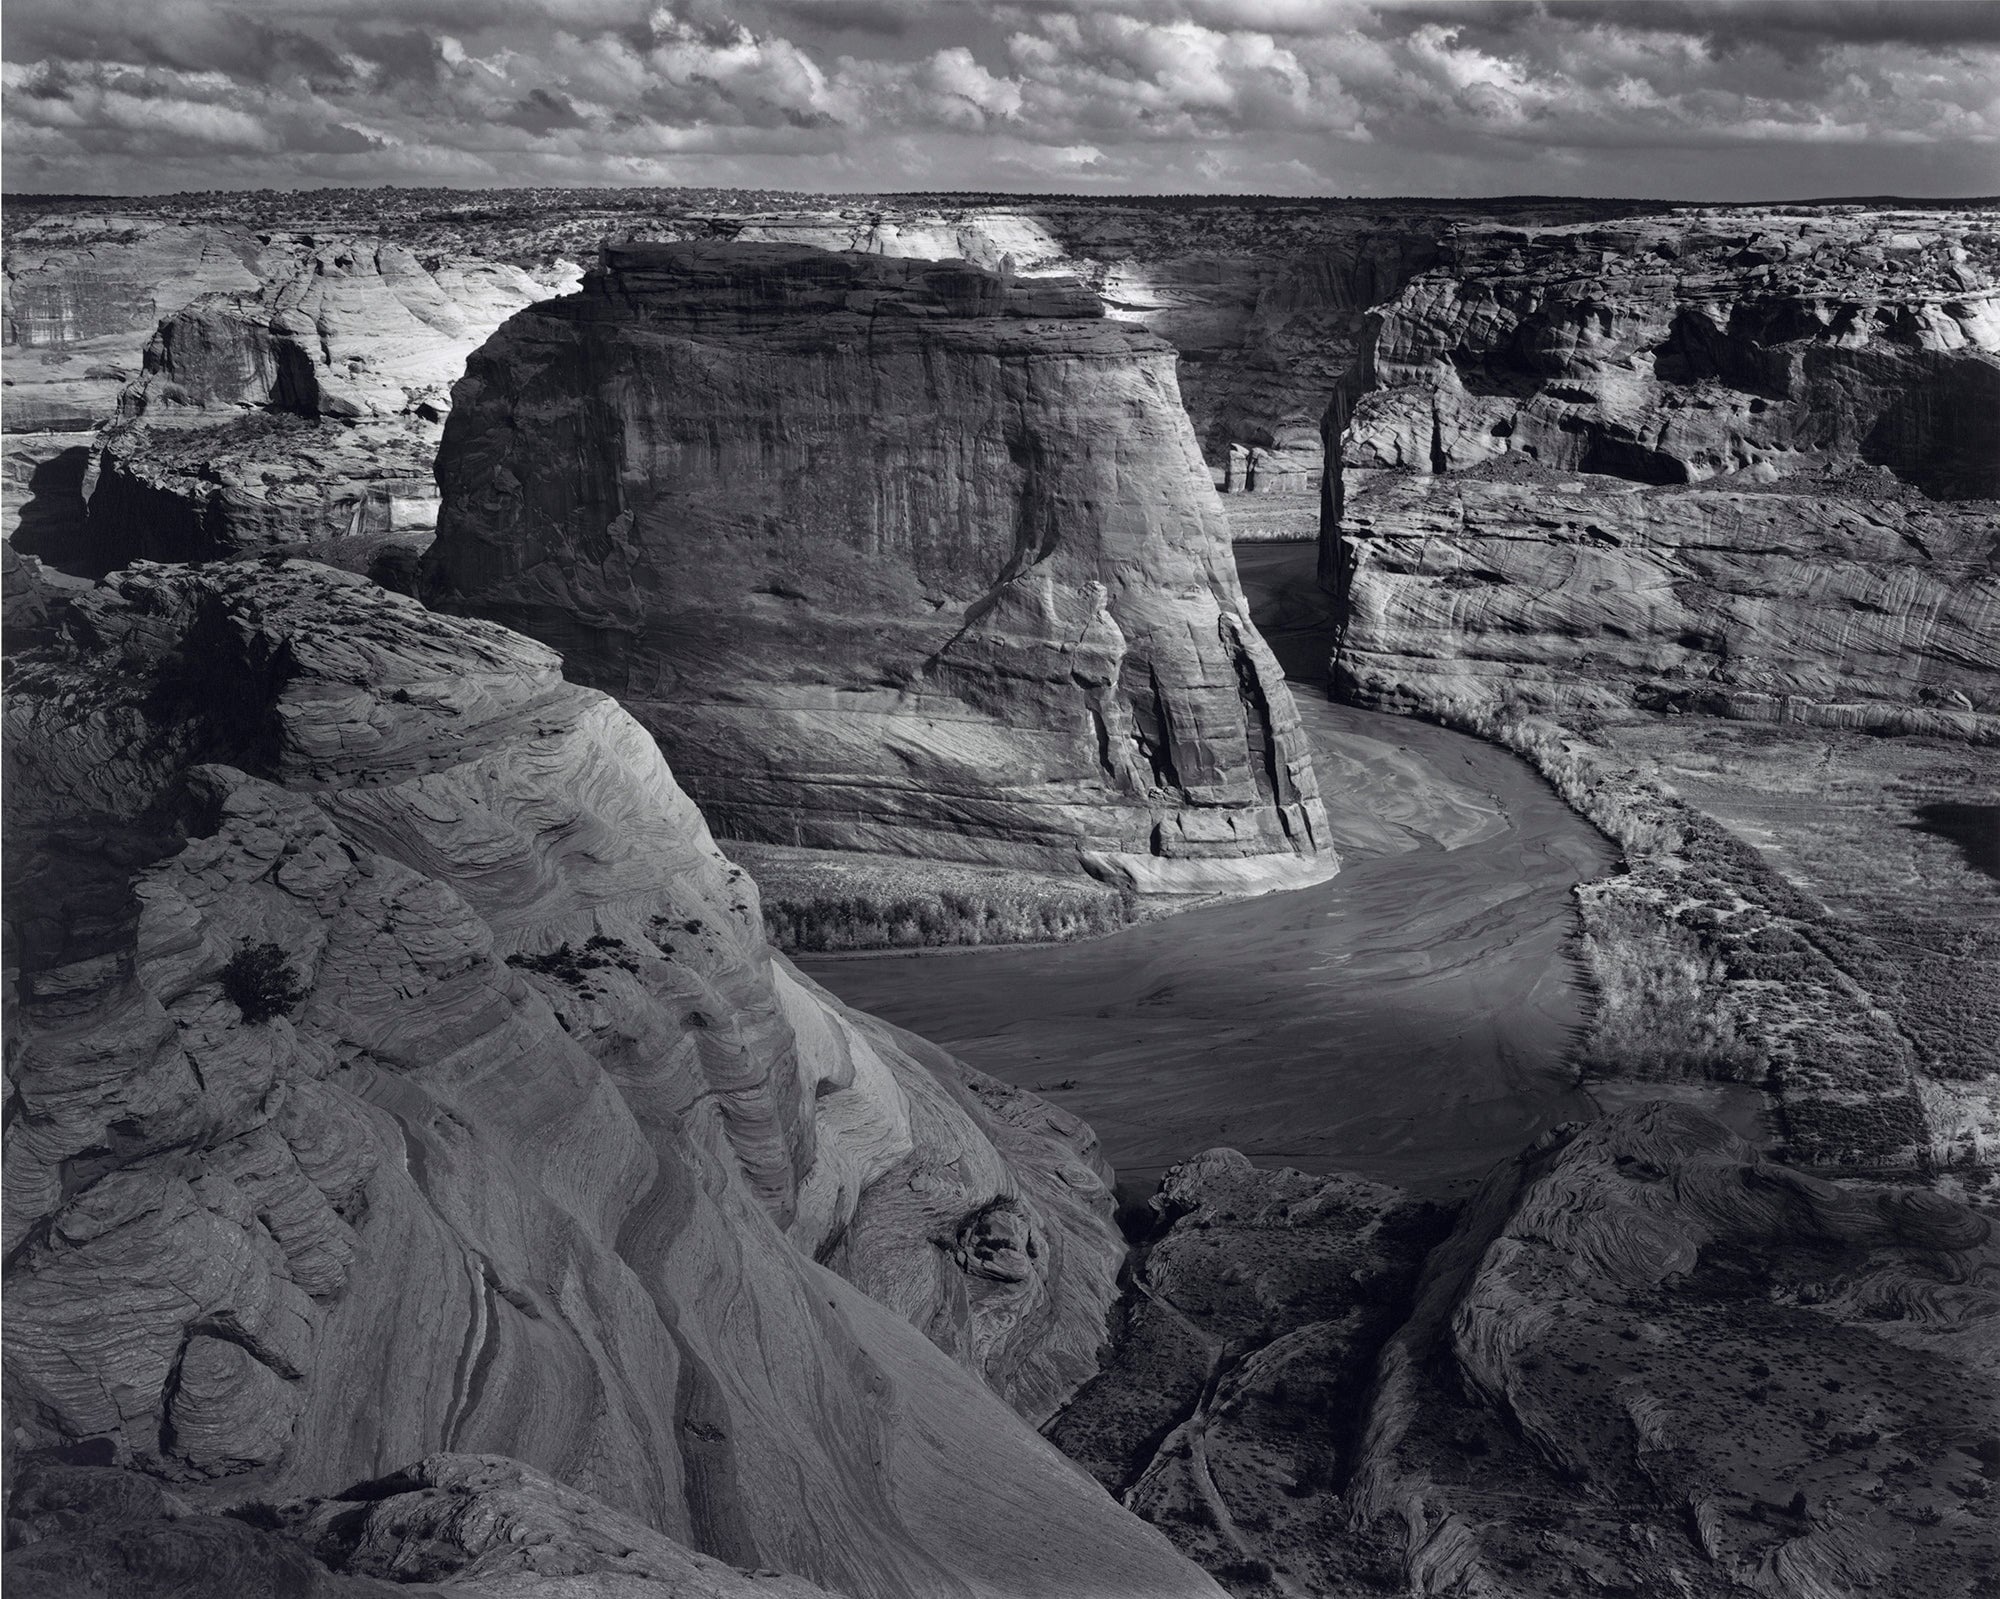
(888, 556)
(1644, 1360)
(399, 1068)
(463, 1525)
(1831, 379)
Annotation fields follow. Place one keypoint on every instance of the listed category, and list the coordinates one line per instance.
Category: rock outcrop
(1739, 462)
(398, 1067)
(888, 556)
(1229, 1401)
(1644, 1360)
(356, 328)
(461, 1525)
(1780, 1383)
(83, 296)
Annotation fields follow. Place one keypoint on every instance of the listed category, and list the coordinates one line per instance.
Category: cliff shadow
(52, 516)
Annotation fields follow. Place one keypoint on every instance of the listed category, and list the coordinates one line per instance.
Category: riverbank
(1409, 1020)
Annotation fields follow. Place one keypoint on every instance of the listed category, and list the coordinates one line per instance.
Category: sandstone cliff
(399, 1068)
(1846, 603)
(1832, 378)
(888, 556)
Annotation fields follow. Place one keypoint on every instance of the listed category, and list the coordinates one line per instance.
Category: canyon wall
(399, 1068)
(887, 555)
(293, 403)
(1743, 463)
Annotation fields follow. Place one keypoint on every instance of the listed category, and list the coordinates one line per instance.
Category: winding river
(1405, 1020)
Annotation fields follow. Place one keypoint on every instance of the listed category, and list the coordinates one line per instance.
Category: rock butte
(888, 555)
(541, 1149)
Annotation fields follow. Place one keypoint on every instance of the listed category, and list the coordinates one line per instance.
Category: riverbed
(1406, 1020)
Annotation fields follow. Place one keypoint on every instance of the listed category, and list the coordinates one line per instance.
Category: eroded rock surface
(468, 1525)
(1650, 1359)
(1228, 1406)
(888, 556)
(399, 1068)
(1644, 1360)
(1845, 603)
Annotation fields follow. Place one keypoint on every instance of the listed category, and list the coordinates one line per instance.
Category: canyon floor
(1407, 1021)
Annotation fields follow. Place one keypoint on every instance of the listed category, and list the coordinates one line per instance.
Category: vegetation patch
(565, 964)
(828, 900)
(260, 982)
(1708, 964)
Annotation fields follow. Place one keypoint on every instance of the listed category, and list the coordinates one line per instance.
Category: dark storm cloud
(1789, 22)
(543, 112)
(1269, 95)
(881, 18)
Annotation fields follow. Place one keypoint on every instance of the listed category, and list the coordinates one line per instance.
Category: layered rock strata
(888, 556)
(1843, 603)
(1732, 462)
(399, 1068)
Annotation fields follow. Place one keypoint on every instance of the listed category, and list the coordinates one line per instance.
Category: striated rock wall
(400, 1068)
(1736, 462)
(888, 556)
(1765, 602)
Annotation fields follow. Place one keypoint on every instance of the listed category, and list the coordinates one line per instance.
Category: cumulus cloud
(1692, 98)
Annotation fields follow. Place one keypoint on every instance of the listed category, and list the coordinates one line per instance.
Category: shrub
(261, 983)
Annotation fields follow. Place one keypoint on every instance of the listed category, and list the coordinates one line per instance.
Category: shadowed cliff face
(1737, 463)
(888, 556)
(398, 1068)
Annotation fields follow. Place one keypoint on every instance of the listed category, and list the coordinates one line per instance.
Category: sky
(1662, 99)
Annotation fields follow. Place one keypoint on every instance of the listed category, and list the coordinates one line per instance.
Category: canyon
(396, 1006)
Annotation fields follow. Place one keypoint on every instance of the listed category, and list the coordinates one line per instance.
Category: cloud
(1339, 96)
